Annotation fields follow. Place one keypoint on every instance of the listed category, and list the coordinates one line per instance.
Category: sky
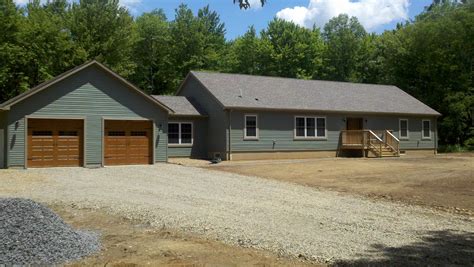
(374, 15)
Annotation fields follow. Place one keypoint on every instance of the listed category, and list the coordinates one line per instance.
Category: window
(321, 122)
(67, 133)
(180, 133)
(138, 133)
(426, 131)
(310, 127)
(403, 134)
(116, 133)
(251, 128)
(300, 127)
(42, 133)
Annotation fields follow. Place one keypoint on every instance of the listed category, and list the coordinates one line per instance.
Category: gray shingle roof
(259, 92)
(181, 105)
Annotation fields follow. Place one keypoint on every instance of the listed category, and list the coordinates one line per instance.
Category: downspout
(229, 149)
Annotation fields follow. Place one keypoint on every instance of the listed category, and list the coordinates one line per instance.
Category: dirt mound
(31, 233)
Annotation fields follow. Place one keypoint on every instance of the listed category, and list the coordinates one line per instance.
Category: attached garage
(89, 116)
(128, 142)
(55, 143)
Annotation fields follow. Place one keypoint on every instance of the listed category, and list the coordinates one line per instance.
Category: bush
(452, 148)
(469, 144)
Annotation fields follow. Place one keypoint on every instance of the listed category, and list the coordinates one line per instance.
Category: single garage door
(55, 143)
(128, 142)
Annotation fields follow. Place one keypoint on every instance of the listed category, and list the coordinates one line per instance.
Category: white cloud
(255, 4)
(371, 13)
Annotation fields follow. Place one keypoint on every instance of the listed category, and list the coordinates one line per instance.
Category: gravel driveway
(281, 217)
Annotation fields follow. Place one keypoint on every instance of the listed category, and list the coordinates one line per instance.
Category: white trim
(423, 137)
(407, 137)
(125, 118)
(256, 137)
(306, 137)
(180, 144)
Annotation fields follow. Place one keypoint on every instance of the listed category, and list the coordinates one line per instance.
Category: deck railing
(354, 138)
(375, 141)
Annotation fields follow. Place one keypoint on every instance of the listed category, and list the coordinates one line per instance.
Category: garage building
(88, 116)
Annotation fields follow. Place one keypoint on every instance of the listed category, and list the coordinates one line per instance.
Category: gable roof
(182, 106)
(7, 104)
(273, 93)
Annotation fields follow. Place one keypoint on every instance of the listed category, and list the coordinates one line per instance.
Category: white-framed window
(403, 132)
(180, 133)
(426, 129)
(251, 127)
(310, 127)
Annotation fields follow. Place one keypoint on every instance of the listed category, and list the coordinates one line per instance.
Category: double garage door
(60, 143)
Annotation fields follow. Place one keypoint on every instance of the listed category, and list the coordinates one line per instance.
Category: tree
(432, 59)
(293, 48)
(13, 57)
(154, 72)
(35, 47)
(344, 38)
(105, 31)
(249, 54)
(197, 41)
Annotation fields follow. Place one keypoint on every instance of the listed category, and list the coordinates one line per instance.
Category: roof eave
(329, 111)
(188, 115)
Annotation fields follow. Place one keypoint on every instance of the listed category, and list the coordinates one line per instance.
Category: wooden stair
(371, 144)
(386, 151)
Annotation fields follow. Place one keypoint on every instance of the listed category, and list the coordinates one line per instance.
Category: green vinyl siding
(3, 119)
(276, 131)
(92, 94)
(198, 149)
(217, 118)
(415, 140)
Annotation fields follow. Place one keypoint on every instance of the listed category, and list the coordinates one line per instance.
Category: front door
(355, 124)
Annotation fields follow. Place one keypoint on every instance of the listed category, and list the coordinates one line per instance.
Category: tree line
(430, 57)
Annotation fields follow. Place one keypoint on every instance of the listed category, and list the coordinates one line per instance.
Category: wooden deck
(379, 143)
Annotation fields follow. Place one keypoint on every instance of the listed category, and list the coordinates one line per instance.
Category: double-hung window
(426, 129)
(251, 127)
(403, 133)
(310, 127)
(180, 133)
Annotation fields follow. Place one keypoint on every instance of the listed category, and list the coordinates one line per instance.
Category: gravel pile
(32, 234)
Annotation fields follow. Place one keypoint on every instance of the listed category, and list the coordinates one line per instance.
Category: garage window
(180, 133)
(42, 133)
(116, 133)
(138, 133)
(68, 133)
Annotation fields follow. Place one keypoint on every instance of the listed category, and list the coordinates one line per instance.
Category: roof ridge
(288, 78)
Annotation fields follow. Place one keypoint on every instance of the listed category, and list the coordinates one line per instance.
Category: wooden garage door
(55, 143)
(128, 142)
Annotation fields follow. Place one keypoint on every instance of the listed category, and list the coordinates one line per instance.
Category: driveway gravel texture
(285, 218)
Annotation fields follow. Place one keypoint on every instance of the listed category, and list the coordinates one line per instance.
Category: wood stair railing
(367, 140)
